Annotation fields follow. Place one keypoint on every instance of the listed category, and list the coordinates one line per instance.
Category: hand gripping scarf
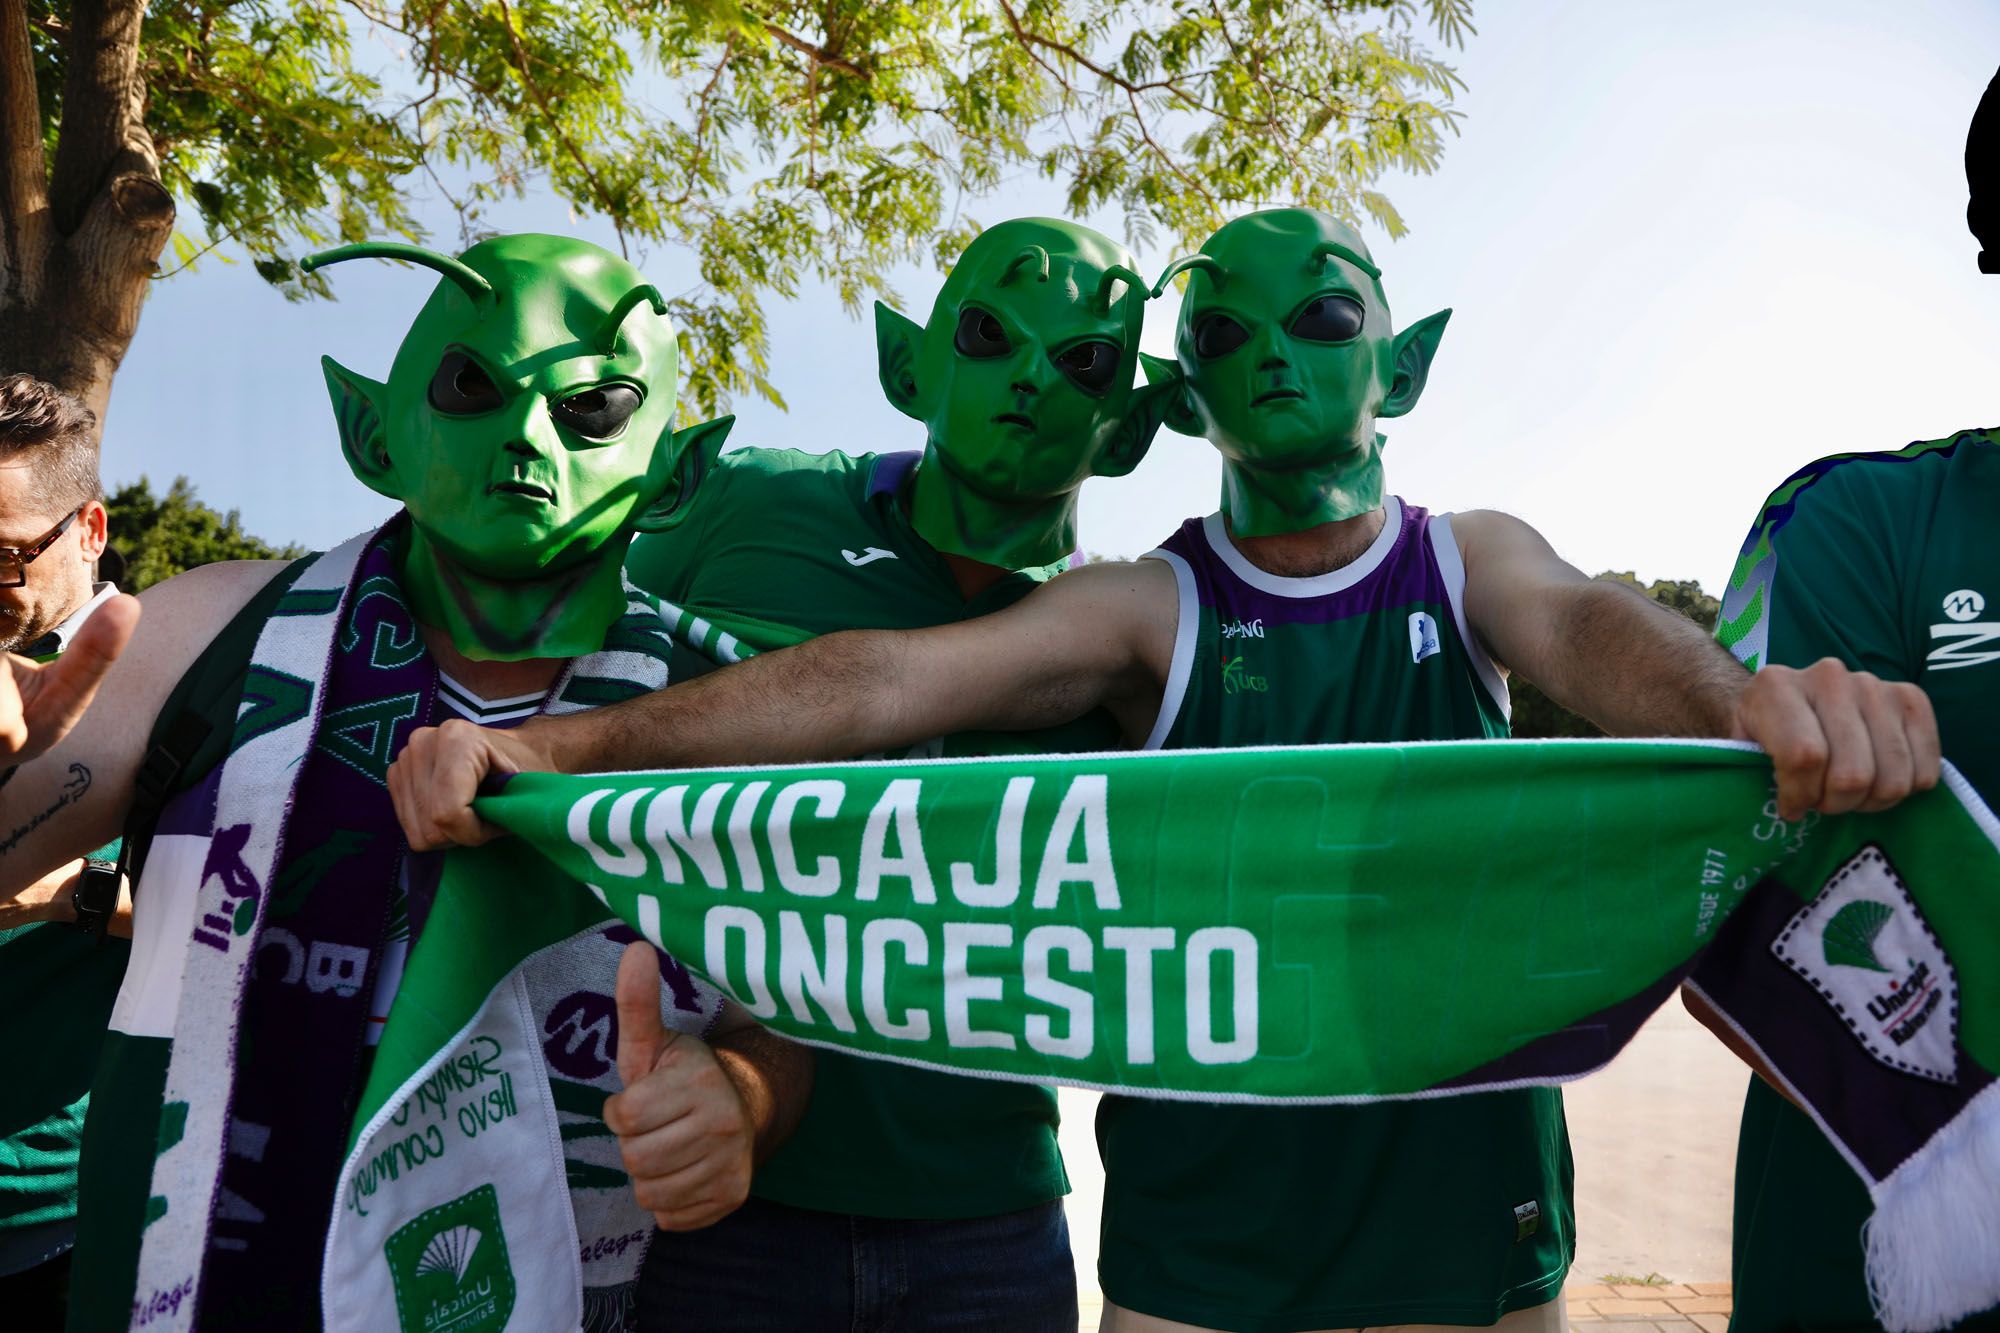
(477, 1186)
(1334, 924)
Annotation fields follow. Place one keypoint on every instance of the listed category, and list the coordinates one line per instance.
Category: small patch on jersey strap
(1864, 946)
(1527, 1220)
(1423, 636)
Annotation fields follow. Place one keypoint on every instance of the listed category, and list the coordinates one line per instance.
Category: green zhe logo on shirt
(450, 1268)
(1864, 946)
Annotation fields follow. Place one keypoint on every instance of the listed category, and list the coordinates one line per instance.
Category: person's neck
(485, 677)
(1313, 551)
(975, 534)
(511, 620)
(73, 601)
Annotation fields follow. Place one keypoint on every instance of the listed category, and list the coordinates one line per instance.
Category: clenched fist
(1840, 740)
(686, 1132)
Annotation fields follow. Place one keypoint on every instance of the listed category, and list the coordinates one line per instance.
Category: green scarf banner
(1349, 923)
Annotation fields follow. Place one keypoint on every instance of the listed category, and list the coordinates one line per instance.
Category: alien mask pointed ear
(1415, 346)
(1176, 412)
(697, 447)
(1150, 405)
(358, 404)
(897, 341)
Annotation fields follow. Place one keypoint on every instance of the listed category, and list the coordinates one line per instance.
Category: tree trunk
(79, 244)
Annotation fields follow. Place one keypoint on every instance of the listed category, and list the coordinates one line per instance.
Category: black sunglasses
(14, 560)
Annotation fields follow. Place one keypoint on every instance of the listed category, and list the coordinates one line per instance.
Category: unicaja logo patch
(1864, 946)
(451, 1270)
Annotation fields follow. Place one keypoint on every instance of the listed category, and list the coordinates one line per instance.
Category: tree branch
(562, 137)
(24, 172)
(104, 103)
(820, 54)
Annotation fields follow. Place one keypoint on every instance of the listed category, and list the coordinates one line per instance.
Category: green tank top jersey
(1273, 1219)
(1886, 561)
(781, 545)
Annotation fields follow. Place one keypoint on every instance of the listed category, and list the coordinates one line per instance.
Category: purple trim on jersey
(1408, 575)
(891, 471)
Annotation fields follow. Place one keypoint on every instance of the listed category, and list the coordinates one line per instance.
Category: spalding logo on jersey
(1423, 636)
(1864, 946)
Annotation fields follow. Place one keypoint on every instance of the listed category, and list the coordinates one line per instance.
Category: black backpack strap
(191, 735)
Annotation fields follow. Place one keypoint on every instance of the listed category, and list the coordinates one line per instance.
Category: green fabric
(66, 984)
(1367, 1214)
(1345, 992)
(762, 547)
(985, 917)
(1856, 558)
(121, 1131)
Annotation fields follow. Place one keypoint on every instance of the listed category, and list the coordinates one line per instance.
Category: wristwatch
(95, 897)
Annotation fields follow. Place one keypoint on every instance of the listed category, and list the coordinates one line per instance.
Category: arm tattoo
(73, 790)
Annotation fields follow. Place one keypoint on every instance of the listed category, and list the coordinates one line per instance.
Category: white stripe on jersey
(470, 705)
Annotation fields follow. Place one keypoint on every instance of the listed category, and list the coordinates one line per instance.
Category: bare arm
(772, 1075)
(74, 798)
(1078, 643)
(1101, 636)
(1840, 740)
(53, 898)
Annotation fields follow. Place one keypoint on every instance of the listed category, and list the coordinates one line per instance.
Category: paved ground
(1655, 1143)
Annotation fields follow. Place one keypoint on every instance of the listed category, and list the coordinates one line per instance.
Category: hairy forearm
(827, 698)
(1637, 669)
(774, 1076)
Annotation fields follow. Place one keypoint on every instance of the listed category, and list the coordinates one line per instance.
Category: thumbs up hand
(684, 1130)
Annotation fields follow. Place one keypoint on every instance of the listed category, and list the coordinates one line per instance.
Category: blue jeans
(767, 1266)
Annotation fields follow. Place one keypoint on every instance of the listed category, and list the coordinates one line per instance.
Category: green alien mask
(526, 427)
(1288, 360)
(1023, 379)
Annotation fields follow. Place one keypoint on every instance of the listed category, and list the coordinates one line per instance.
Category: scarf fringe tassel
(1934, 1239)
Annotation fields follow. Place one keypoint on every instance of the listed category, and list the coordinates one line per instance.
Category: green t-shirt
(817, 543)
(1269, 1219)
(1887, 562)
(60, 985)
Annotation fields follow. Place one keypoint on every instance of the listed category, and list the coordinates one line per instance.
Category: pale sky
(1688, 248)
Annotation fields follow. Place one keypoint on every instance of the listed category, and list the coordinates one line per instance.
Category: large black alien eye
(462, 387)
(599, 413)
(1218, 335)
(980, 335)
(1330, 319)
(1092, 365)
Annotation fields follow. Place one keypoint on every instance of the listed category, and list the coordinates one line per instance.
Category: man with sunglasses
(52, 531)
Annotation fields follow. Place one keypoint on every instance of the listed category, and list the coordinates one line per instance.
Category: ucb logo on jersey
(1864, 946)
(1964, 640)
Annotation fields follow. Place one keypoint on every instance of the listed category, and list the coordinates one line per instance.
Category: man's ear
(896, 342)
(1415, 346)
(697, 447)
(358, 407)
(1176, 412)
